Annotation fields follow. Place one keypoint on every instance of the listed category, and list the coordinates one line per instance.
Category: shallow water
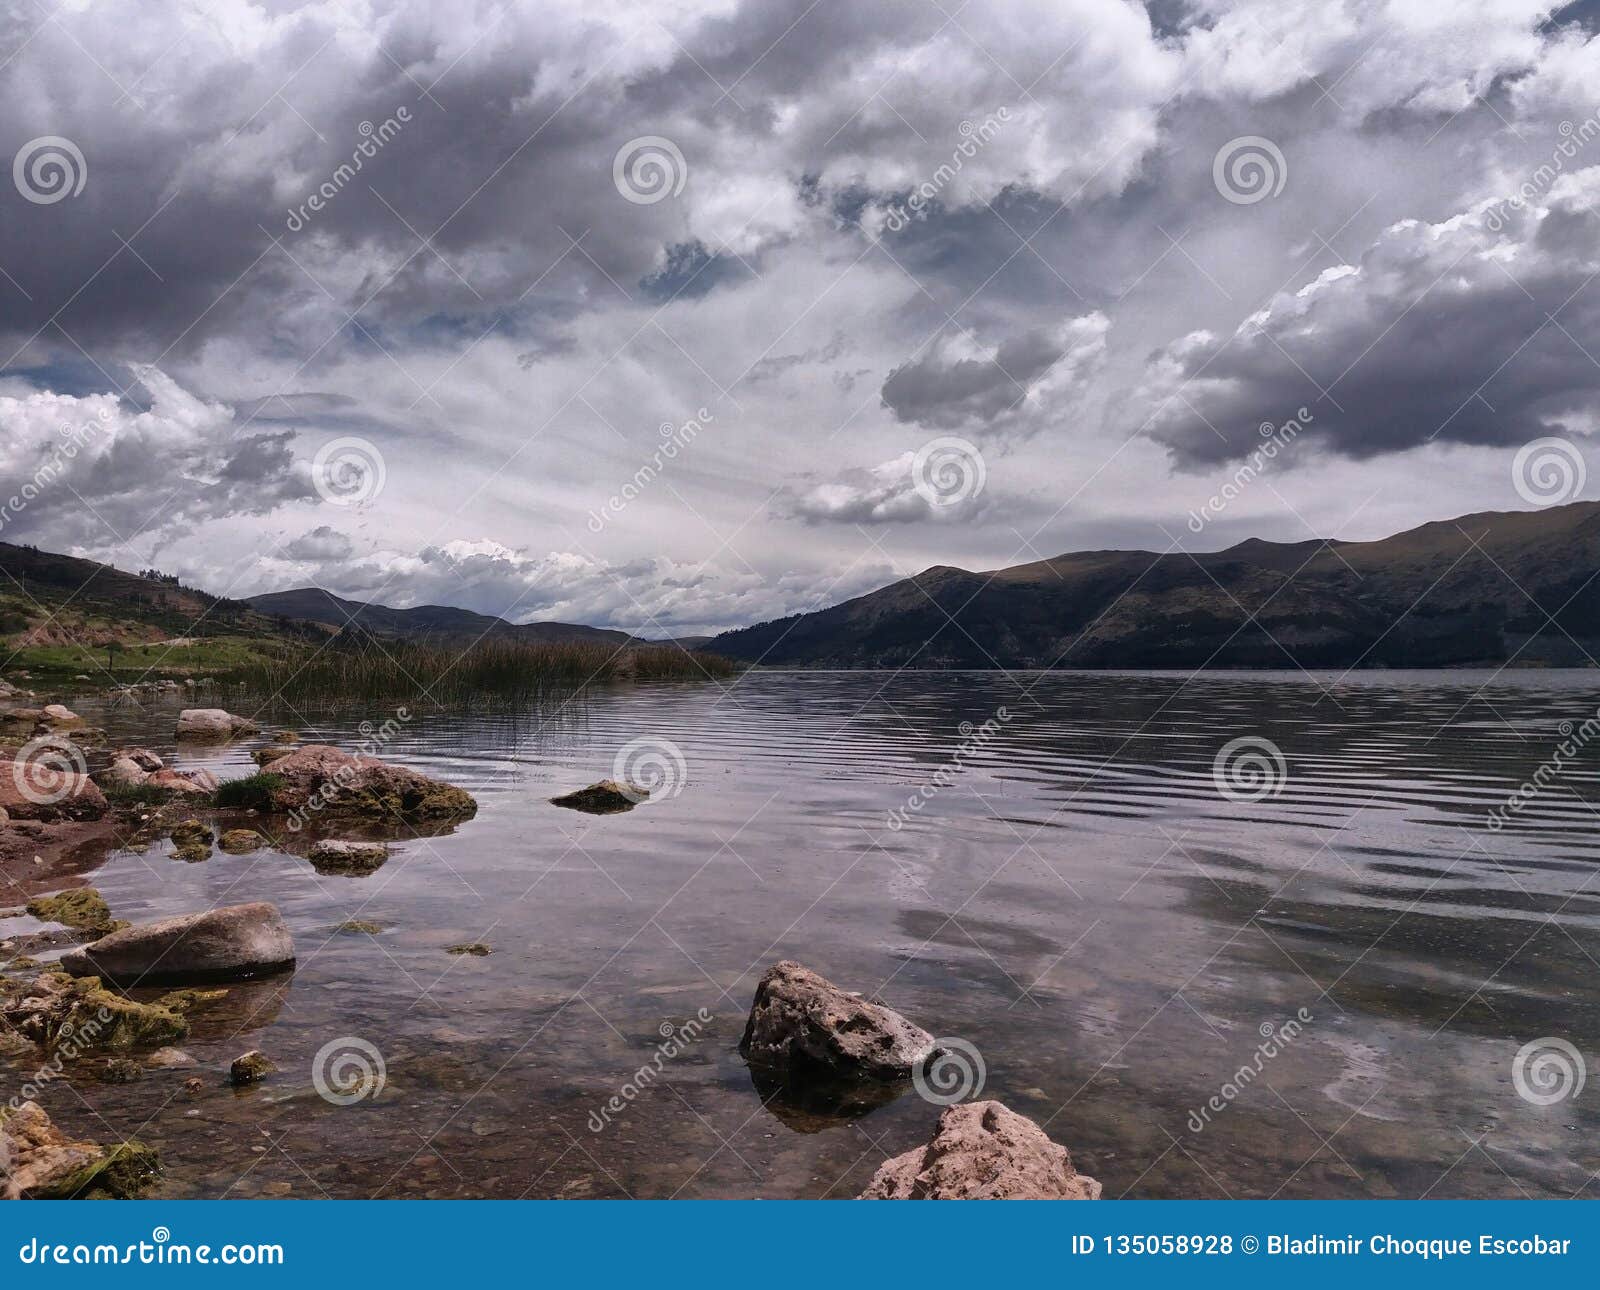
(1077, 901)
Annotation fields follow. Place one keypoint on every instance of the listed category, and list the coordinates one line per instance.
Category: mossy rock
(239, 842)
(250, 1068)
(192, 852)
(81, 907)
(359, 925)
(58, 1011)
(187, 831)
(183, 1000)
(477, 949)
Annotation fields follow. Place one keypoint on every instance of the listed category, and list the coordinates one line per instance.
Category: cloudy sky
(674, 315)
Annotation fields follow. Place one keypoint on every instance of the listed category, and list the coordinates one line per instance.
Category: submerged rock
(321, 778)
(170, 1059)
(806, 1028)
(477, 949)
(250, 1068)
(42, 1163)
(59, 1011)
(81, 907)
(608, 797)
(188, 831)
(239, 842)
(359, 925)
(982, 1151)
(213, 723)
(347, 858)
(232, 943)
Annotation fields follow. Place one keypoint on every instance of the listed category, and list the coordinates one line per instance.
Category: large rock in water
(803, 1026)
(39, 1162)
(43, 787)
(321, 778)
(213, 723)
(228, 944)
(982, 1151)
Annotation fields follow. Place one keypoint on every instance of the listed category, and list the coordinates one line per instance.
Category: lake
(1306, 977)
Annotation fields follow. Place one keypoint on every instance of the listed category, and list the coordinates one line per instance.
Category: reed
(493, 670)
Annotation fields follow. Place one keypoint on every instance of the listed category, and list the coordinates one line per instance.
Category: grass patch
(253, 792)
(493, 670)
(132, 794)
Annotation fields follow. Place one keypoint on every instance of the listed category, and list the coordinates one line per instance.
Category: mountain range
(1488, 588)
(1495, 587)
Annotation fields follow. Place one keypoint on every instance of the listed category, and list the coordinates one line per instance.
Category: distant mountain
(1490, 588)
(49, 599)
(312, 604)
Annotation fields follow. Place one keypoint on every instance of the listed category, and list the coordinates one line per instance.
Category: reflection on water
(1075, 899)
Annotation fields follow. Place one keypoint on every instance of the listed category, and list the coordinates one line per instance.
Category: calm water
(1078, 901)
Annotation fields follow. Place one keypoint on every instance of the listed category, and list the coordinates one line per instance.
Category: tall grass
(493, 670)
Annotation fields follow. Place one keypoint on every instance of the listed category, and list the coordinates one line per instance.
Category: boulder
(982, 1151)
(266, 756)
(321, 778)
(213, 723)
(608, 797)
(189, 831)
(332, 857)
(228, 944)
(143, 758)
(58, 714)
(238, 842)
(42, 1163)
(40, 788)
(804, 1027)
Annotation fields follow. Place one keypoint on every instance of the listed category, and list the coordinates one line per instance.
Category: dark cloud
(1468, 331)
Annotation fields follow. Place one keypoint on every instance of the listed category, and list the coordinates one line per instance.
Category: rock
(181, 1001)
(238, 842)
(190, 783)
(192, 853)
(605, 798)
(250, 1068)
(194, 1085)
(477, 949)
(804, 1027)
(288, 736)
(190, 830)
(319, 777)
(81, 907)
(266, 756)
(170, 1059)
(143, 758)
(359, 925)
(232, 943)
(59, 715)
(123, 772)
(347, 858)
(213, 723)
(78, 1015)
(42, 1163)
(41, 788)
(121, 1070)
(982, 1151)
